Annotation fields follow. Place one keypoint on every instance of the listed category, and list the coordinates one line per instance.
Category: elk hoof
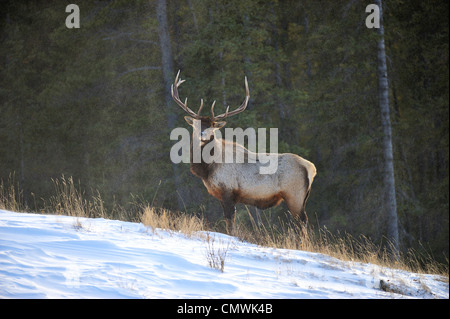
(230, 227)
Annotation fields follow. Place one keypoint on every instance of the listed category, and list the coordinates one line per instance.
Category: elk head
(208, 124)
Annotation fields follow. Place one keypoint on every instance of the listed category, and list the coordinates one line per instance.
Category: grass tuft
(216, 255)
(11, 197)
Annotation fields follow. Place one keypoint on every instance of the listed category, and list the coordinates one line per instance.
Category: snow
(51, 256)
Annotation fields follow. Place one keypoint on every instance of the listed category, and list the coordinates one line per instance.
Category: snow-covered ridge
(50, 256)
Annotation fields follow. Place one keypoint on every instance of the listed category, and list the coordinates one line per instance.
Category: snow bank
(49, 256)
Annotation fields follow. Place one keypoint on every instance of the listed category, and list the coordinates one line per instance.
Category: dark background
(92, 102)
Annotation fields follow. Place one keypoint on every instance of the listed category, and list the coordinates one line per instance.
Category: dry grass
(216, 255)
(341, 246)
(71, 200)
(11, 197)
(162, 218)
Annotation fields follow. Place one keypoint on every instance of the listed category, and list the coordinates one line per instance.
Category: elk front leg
(229, 212)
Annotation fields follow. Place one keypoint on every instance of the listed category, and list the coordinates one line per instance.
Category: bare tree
(390, 202)
(167, 70)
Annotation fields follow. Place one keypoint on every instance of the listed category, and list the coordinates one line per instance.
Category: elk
(233, 183)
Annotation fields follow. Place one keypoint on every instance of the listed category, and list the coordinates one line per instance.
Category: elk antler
(176, 97)
(236, 111)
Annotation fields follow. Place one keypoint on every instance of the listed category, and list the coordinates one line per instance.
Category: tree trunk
(168, 74)
(390, 204)
(22, 185)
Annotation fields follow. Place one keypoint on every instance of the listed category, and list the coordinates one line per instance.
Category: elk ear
(189, 120)
(219, 124)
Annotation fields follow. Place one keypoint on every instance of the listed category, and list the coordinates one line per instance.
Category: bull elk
(233, 183)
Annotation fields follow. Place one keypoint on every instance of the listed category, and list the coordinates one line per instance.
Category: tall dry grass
(71, 200)
(68, 199)
(11, 197)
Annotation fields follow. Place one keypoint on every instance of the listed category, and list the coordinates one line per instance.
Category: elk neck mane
(202, 169)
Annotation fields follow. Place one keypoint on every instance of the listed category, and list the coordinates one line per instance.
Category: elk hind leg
(296, 206)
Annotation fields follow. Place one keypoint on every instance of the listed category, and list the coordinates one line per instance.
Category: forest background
(92, 102)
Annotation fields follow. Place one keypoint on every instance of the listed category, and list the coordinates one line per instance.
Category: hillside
(51, 256)
(93, 103)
